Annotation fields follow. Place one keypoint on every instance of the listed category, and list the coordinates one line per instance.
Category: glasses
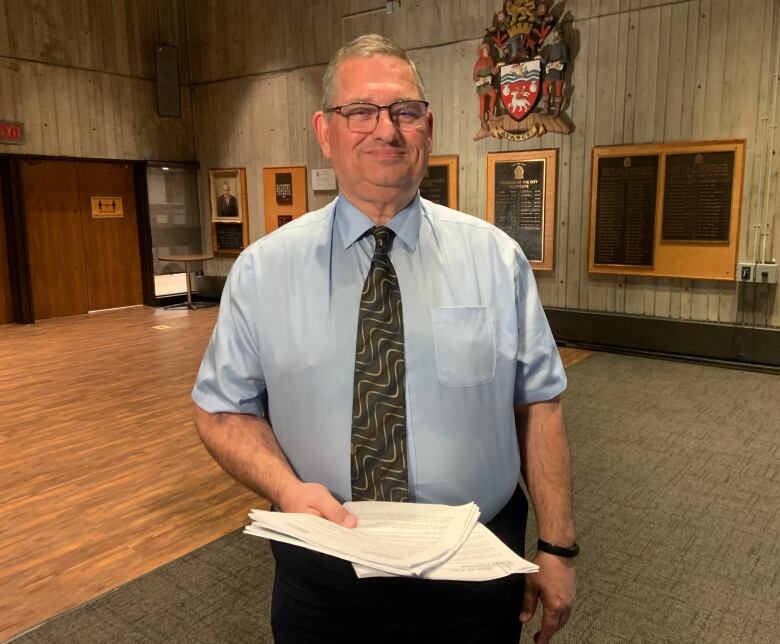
(363, 117)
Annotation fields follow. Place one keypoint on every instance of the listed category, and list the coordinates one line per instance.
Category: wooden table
(186, 259)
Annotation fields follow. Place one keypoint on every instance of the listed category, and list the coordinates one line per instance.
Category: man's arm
(246, 448)
(546, 470)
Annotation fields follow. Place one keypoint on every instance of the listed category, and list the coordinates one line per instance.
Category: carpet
(677, 499)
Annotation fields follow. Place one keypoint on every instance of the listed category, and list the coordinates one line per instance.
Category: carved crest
(520, 87)
(522, 59)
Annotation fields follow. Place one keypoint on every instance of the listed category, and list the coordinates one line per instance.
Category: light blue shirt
(476, 341)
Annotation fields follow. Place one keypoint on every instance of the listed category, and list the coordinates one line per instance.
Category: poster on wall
(521, 200)
(226, 191)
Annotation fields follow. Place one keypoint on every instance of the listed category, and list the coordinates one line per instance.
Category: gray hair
(364, 47)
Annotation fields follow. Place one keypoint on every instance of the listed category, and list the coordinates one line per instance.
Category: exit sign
(11, 132)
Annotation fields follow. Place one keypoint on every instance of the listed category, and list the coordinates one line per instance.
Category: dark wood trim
(59, 157)
(144, 232)
(737, 345)
(16, 234)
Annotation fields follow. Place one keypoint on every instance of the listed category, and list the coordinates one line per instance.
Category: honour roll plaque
(625, 210)
(519, 204)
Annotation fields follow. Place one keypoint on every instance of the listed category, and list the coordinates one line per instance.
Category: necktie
(379, 404)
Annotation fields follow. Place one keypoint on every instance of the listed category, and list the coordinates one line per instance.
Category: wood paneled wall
(643, 71)
(80, 74)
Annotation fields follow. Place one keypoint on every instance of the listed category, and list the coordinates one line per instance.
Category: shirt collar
(352, 223)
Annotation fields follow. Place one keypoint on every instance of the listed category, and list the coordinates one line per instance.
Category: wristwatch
(561, 551)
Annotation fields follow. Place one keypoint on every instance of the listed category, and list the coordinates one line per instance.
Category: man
(461, 335)
(227, 204)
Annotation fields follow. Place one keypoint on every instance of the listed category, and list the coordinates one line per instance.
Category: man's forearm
(546, 466)
(246, 448)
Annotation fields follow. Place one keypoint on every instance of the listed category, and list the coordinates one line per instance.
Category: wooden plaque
(440, 183)
(229, 211)
(285, 195)
(697, 196)
(695, 218)
(625, 210)
(521, 200)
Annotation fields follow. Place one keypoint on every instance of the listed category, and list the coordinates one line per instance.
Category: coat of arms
(522, 59)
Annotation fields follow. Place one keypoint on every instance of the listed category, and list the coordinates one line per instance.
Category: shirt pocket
(464, 343)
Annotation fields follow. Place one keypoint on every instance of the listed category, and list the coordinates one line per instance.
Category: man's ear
(321, 125)
(430, 131)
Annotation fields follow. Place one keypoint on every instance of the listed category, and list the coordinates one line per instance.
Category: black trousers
(319, 599)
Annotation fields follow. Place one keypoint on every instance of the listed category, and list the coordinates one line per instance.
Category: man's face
(226, 190)
(388, 163)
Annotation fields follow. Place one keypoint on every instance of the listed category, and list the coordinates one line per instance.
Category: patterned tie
(379, 406)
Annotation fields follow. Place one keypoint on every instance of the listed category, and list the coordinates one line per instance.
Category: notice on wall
(323, 179)
(625, 210)
(106, 207)
(697, 196)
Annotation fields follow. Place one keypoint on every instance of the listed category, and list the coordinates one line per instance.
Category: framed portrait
(227, 195)
(521, 188)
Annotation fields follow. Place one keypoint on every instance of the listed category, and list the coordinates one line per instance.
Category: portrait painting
(226, 195)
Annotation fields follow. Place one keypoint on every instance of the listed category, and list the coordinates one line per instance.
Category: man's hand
(313, 498)
(246, 448)
(554, 585)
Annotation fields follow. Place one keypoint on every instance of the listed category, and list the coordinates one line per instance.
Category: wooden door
(6, 309)
(56, 247)
(111, 251)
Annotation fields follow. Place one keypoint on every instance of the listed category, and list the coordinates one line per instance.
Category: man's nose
(385, 128)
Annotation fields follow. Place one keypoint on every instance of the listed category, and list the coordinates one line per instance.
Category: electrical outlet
(765, 274)
(745, 272)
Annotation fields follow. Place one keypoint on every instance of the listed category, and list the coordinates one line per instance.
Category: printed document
(408, 539)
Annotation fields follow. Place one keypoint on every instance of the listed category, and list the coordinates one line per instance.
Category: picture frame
(521, 190)
(227, 195)
(440, 183)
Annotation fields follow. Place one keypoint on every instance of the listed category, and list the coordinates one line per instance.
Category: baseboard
(180, 298)
(740, 345)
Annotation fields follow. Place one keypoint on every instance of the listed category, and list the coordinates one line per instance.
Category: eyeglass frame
(337, 110)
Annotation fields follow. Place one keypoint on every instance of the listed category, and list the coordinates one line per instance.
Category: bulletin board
(666, 209)
(285, 195)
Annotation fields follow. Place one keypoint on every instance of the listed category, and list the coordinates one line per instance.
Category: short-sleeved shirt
(475, 335)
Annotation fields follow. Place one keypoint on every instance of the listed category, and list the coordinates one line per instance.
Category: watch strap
(561, 551)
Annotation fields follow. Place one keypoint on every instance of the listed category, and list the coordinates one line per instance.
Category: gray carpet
(677, 498)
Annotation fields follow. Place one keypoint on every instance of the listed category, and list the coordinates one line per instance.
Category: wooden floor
(102, 476)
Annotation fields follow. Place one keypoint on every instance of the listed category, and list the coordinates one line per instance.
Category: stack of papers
(406, 539)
